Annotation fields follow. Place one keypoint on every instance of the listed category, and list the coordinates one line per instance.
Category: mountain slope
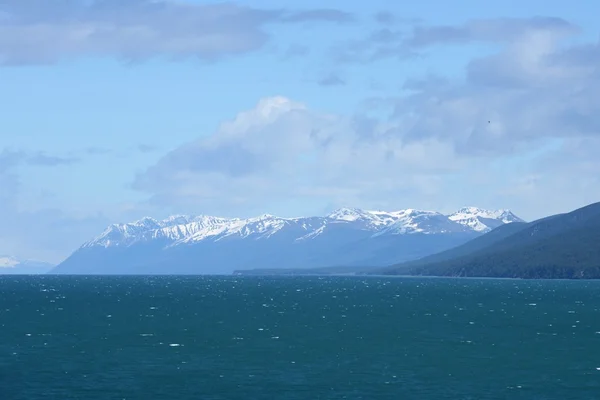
(205, 244)
(13, 266)
(473, 246)
(560, 246)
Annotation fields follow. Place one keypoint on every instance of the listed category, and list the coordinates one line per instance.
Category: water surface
(297, 338)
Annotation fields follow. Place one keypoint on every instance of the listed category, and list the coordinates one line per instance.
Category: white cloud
(34, 31)
(281, 151)
(538, 94)
(448, 143)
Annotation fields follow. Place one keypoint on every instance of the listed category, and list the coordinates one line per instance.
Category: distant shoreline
(275, 275)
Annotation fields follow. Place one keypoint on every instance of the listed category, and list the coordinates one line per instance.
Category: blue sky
(118, 109)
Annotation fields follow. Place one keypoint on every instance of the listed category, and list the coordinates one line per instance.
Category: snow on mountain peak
(470, 210)
(480, 212)
(145, 220)
(369, 220)
(262, 217)
(177, 220)
(117, 234)
(419, 221)
(348, 214)
(482, 220)
(414, 212)
(180, 229)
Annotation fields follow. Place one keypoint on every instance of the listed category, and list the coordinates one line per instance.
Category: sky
(112, 110)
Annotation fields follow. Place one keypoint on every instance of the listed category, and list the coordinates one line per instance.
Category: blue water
(297, 338)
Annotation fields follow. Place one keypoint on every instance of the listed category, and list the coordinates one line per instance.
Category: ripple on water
(361, 337)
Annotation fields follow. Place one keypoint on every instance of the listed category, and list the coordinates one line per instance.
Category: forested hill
(560, 246)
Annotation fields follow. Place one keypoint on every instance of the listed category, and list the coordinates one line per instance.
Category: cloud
(531, 90)
(9, 159)
(330, 15)
(9, 182)
(43, 159)
(385, 17)
(282, 150)
(489, 30)
(296, 50)
(143, 148)
(485, 137)
(146, 148)
(34, 31)
(332, 79)
(381, 43)
(533, 103)
(12, 158)
(45, 234)
(411, 38)
(94, 150)
(558, 181)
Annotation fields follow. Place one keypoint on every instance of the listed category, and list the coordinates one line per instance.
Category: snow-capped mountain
(483, 220)
(345, 236)
(189, 229)
(13, 266)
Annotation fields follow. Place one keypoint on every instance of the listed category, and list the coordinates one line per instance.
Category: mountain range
(214, 245)
(559, 246)
(10, 265)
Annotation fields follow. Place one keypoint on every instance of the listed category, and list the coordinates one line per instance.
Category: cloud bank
(281, 150)
(42, 31)
(516, 130)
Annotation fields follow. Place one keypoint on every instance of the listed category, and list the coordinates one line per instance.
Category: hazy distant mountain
(206, 244)
(13, 266)
(559, 246)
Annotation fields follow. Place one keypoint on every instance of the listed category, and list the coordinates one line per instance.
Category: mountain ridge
(190, 227)
(208, 244)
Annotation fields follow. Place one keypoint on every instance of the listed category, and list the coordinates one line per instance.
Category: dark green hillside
(561, 246)
(586, 217)
(470, 247)
(573, 254)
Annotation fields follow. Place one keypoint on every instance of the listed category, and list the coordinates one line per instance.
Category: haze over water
(297, 338)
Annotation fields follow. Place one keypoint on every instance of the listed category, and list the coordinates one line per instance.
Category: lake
(238, 337)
